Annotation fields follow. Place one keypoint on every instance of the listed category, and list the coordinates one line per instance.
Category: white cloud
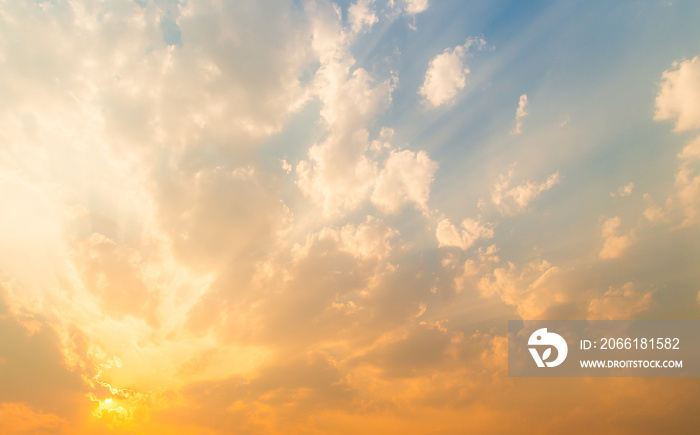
(625, 190)
(144, 154)
(286, 166)
(533, 289)
(361, 14)
(132, 167)
(406, 178)
(615, 245)
(520, 113)
(464, 237)
(370, 239)
(414, 7)
(679, 96)
(337, 184)
(344, 169)
(446, 74)
(383, 141)
(409, 7)
(539, 289)
(511, 200)
(338, 174)
(679, 99)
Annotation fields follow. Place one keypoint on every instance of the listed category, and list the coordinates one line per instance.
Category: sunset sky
(317, 217)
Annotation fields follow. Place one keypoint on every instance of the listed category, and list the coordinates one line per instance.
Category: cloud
(677, 99)
(413, 7)
(323, 288)
(335, 186)
(471, 231)
(115, 275)
(620, 303)
(410, 7)
(520, 113)
(286, 166)
(446, 74)
(614, 245)
(653, 212)
(679, 95)
(155, 188)
(361, 15)
(512, 200)
(369, 239)
(18, 418)
(197, 212)
(623, 191)
(418, 348)
(684, 202)
(159, 249)
(344, 169)
(537, 289)
(338, 174)
(533, 288)
(540, 290)
(691, 152)
(184, 256)
(39, 387)
(405, 178)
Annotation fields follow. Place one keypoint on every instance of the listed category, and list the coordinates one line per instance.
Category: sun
(108, 401)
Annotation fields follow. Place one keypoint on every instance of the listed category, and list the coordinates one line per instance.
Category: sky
(316, 217)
